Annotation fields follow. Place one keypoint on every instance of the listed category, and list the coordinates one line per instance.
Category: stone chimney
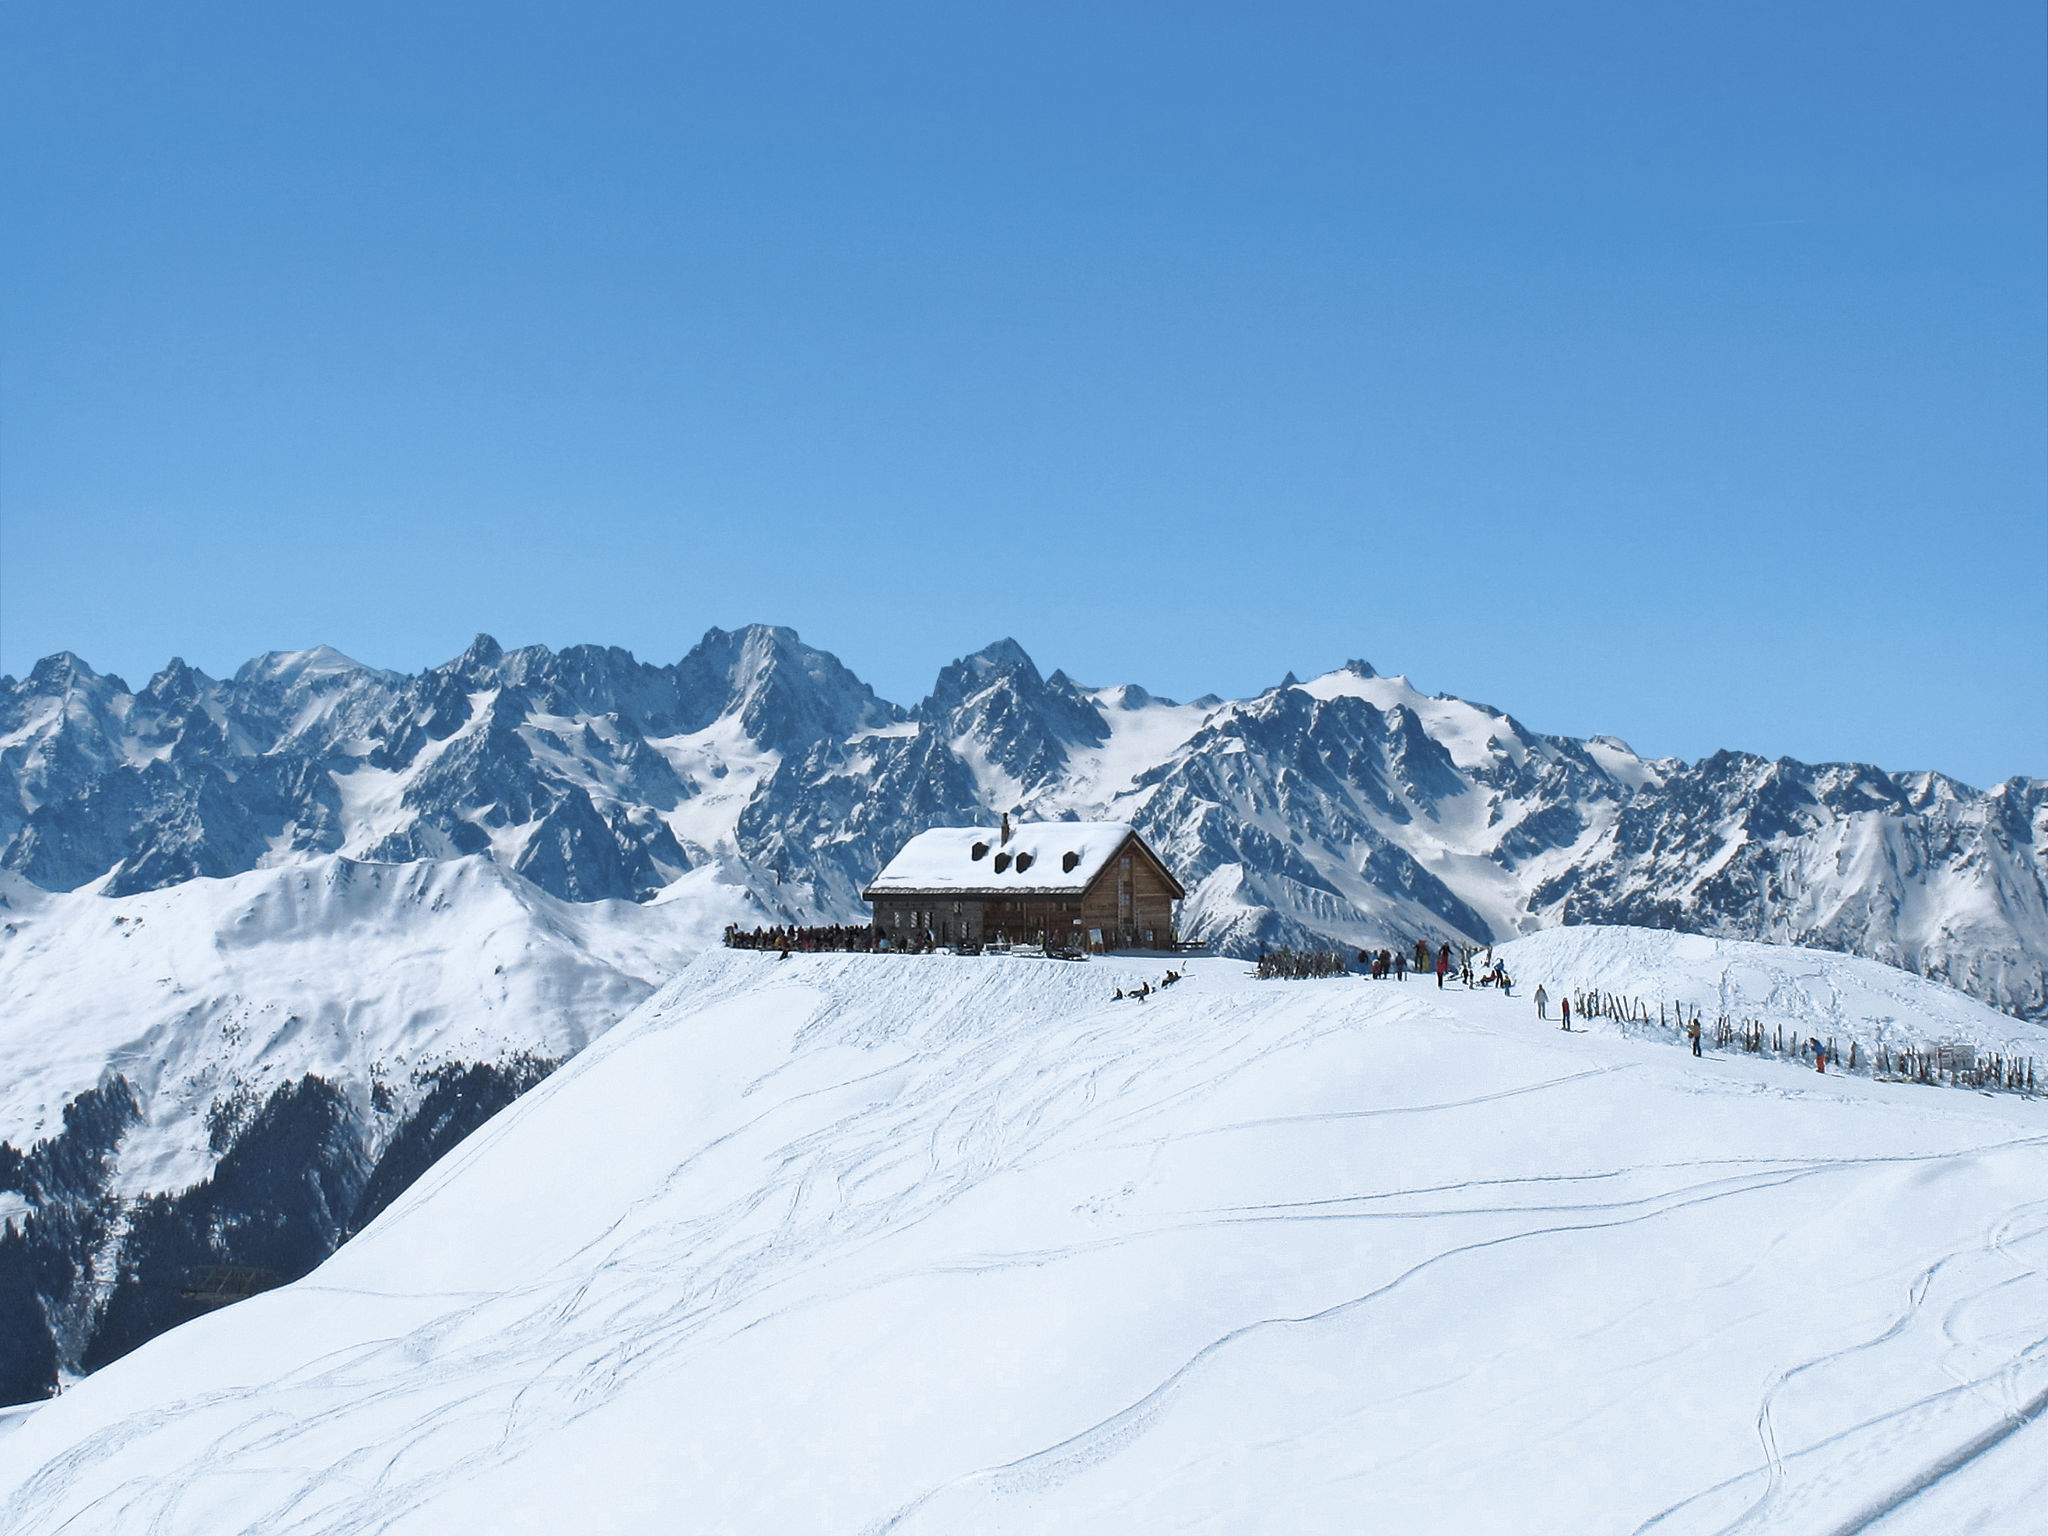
(1006, 826)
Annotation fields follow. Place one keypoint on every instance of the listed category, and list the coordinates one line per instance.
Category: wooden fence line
(1948, 1066)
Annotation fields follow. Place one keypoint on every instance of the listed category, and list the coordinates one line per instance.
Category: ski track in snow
(873, 1127)
(1764, 1513)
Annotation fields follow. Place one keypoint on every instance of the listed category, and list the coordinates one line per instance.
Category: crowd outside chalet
(1072, 887)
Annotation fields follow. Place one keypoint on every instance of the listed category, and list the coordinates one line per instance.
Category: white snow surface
(1814, 992)
(865, 1244)
(357, 972)
(1469, 732)
(725, 768)
(942, 859)
(1142, 735)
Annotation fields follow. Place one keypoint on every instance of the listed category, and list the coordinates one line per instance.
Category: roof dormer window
(1023, 862)
(1070, 861)
(978, 852)
(1002, 862)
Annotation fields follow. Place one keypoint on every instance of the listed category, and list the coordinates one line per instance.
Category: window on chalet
(978, 851)
(1002, 862)
(1023, 862)
(1070, 862)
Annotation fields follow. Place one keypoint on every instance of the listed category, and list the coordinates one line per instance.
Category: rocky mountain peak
(1129, 696)
(786, 695)
(1020, 724)
(64, 672)
(1004, 661)
(177, 684)
(319, 663)
(478, 664)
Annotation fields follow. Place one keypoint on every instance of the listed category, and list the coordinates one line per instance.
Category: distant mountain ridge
(1348, 808)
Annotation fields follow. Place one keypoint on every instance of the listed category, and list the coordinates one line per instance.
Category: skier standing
(1443, 965)
(1693, 1034)
(1542, 1003)
(1566, 1005)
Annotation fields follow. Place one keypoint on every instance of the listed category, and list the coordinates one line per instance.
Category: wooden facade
(1127, 904)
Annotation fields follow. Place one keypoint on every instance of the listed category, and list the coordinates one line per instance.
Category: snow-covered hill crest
(936, 1244)
(1351, 808)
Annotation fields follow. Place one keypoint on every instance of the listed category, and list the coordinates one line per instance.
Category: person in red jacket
(1443, 964)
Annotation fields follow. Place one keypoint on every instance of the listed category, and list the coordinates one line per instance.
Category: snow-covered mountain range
(1351, 807)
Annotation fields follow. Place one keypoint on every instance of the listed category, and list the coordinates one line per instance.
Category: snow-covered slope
(1811, 992)
(356, 971)
(195, 1014)
(869, 1243)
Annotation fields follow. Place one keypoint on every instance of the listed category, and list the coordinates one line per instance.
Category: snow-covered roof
(1048, 858)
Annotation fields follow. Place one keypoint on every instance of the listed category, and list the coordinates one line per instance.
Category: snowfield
(1812, 992)
(359, 972)
(864, 1244)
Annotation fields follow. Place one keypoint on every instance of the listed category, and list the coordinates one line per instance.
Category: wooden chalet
(1069, 884)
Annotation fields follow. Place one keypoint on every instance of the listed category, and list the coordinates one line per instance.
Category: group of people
(1395, 963)
(1299, 964)
(1384, 964)
(1814, 1046)
(1145, 989)
(839, 936)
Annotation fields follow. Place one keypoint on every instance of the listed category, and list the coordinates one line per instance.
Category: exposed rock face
(1350, 808)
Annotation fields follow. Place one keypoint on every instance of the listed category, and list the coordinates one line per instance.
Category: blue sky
(1674, 371)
